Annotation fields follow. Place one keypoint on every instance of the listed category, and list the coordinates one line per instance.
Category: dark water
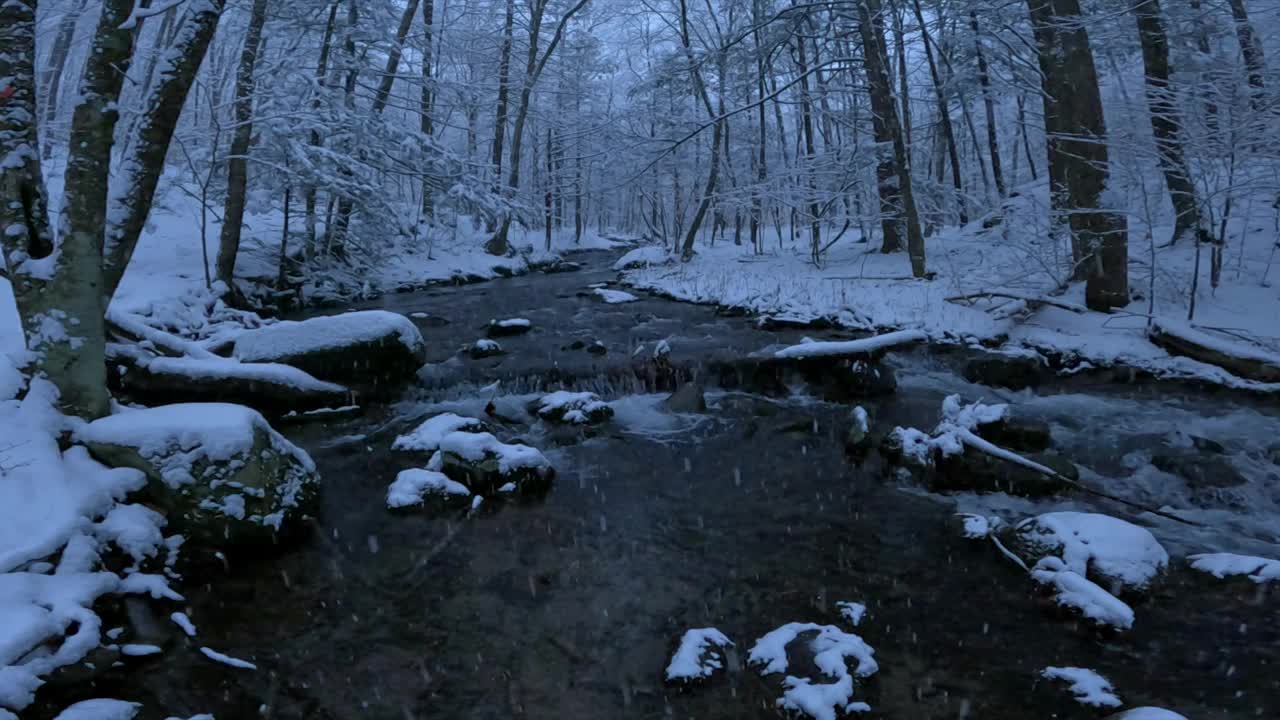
(744, 519)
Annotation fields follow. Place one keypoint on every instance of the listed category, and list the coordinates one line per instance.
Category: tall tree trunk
(984, 79)
(1251, 50)
(1078, 164)
(427, 124)
(504, 91)
(944, 115)
(904, 89)
(141, 169)
(237, 163)
(894, 171)
(336, 232)
(1166, 120)
(806, 127)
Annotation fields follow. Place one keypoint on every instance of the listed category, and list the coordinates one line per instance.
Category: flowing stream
(745, 517)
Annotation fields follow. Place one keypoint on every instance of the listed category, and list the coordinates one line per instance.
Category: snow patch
(427, 436)
(1220, 565)
(412, 486)
(1089, 687)
(697, 657)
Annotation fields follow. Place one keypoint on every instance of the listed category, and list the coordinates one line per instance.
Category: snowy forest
(679, 358)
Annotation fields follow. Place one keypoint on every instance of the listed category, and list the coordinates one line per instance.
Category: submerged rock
(977, 471)
(688, 398)
(1016, 432)
(219, 472)
(1011, 371)
(1197, 469)
(366, 346)
(486, 465)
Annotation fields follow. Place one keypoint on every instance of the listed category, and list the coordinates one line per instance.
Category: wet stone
(1021, 434)
(1013, 372)
(1197, 469)
(979, 472)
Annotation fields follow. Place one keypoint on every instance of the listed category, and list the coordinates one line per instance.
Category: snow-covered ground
(859, 287)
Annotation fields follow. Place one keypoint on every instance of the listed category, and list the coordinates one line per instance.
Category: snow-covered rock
(1079, 594)
(1089, 687)
(614, 297)
(698, 656)
(1223, 565)
(363, 346)
(575, 408)
(427, 436)
(484, 464)
(268, 387)
(220, 472)
(644, 257)
(1113, 553)
(509, 326)
(100, 709)
(831, 649)
(852, 611)
(483, 348)
(413, 486)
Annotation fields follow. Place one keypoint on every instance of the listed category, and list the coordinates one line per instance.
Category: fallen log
(1033, 301)
(1248, 361)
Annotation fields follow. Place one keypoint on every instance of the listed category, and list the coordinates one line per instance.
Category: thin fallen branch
(984, 446)
(1031, 300)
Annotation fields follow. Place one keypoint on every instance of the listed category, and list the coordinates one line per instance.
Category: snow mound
(614, 297)
(644, 257)
(413, 485)
(427, 436)
(234, 662)
(578, 408)
(696, 658)
(292, 338)
(975, 527)
(1094, 545)
(831, 648)
(845, 348)
(1072, 590)
(1089, 687)
(1220, 565)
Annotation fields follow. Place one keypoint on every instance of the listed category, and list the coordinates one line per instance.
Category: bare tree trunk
(894, 172)
(1251, 49)
(51, 77)
(237, 163)
(58, 289)
(984, 79)
(427, 125)
(944, 115)
(322, 74)
(1026, 138)
(717, 131)
(1166, 121)
(498, 245)
(504, 90)
(1078, 162)
(806, 126)
(140, 171)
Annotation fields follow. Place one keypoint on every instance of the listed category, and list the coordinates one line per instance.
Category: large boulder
(368, 346)
(1123, 558)
(488, 466)
(268, 387)
(219, 472)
